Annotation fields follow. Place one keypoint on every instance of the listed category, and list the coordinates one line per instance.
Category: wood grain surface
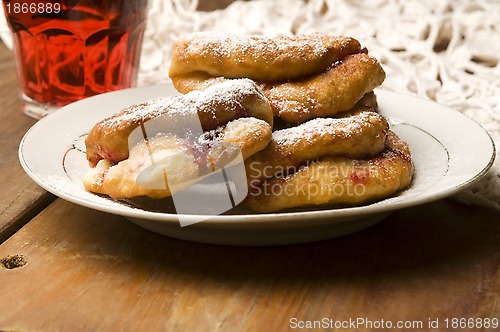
(20, 199)
(209, 5)
(88, 270)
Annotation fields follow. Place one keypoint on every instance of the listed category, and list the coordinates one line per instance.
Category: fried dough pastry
(257, 57)
(158, 165)
(359, 136)
(338, 180)
(303, 77)
(216, 106)
(336, 90)
(147, 149)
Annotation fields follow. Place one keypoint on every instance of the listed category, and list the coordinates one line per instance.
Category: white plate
(450, 151)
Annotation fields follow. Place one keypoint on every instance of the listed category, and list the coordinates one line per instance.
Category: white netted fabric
(447, 50)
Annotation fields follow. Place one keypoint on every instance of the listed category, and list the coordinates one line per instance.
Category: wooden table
(88, 270)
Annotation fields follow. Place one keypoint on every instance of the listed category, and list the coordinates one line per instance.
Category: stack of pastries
(326, 144)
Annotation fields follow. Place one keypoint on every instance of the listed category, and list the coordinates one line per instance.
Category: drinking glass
(68, 50)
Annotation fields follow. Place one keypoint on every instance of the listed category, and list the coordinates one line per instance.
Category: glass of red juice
(68, 50)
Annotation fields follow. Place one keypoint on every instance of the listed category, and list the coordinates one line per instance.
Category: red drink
(91, 48)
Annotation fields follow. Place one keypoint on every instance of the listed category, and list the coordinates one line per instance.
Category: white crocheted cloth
(448, 50)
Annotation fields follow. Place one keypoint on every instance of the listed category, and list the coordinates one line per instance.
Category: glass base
(35, 109)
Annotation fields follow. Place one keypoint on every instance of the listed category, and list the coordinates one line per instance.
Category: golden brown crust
(215, 106)
(257, 57)
(338, 181)
(163, 164)
(336, 90)
(303, 77)
(164, 145)
(120, 180)
(359, 136)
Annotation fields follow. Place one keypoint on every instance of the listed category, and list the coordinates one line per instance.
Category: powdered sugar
(308, 131)
(223, 44)
(227, 92)
(181, 115)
